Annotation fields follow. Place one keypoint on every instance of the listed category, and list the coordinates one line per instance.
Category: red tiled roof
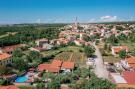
(56, 63)
(119, 48)
(129, 77)
(43, 67)
(4, 56)
(131, 60)
(8, 87)
(68, 65)
(12, 47)
(53, 69)
(132, 66)
(49, 67)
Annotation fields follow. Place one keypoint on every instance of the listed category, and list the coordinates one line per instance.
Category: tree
(71, 44)
(4, 82)
(133, 53)
(33, 56)
(17, 53)
(89, 50)
(41, 86)
(54, 84)
(20, 64)
(113, 40)
(5, 70)
(122, 54)
(122, 37)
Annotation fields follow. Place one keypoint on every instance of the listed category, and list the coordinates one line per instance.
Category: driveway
(100, 69)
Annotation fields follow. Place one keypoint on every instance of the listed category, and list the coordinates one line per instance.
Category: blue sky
(56, 11)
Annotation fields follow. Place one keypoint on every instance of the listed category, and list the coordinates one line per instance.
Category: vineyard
(72, 56)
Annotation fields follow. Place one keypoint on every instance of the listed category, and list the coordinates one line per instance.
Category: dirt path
(100, 69)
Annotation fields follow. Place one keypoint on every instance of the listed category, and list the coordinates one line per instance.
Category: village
(80, 52)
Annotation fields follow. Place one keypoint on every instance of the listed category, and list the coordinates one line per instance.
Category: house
(9, 87)
(131, 62)
(67, 65)
(126, 79)
(48, 68)
(117, 49)
(126, 32)
(47, 46)
(10, 49)
(5, 59)
(38, 49)
(61, 41)
(54, 67)
(79, 42)
(44, 47)
(124, 64)
(43, 67)
(40, 42)
(57, 63)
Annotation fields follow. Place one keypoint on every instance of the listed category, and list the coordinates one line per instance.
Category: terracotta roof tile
(68, 65)
(8, 87)
(129, 77)
(131, 60)
(56, 63)
(4, 56)
(117, 49)
(43, 67)
(12, 47)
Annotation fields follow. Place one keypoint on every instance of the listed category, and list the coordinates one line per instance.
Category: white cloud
(108, 18)
(38, 21)
(92, 20)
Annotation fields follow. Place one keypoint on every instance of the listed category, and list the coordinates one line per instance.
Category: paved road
(100, 69)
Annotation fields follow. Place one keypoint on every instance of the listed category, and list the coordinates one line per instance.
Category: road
(100, 69)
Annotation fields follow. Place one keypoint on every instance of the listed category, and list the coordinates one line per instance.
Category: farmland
(72, 56)
(70, 53)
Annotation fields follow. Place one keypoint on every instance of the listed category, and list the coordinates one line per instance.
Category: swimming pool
(21, 79)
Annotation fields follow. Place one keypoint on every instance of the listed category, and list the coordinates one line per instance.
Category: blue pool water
(21, 79)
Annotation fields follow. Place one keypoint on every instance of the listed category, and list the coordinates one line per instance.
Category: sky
(65, 11)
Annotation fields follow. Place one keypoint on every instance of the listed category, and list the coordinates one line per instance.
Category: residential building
(9, 87)
(131, 62)
(117, 49)
(126, 79)
(5, 59)
(40, 42)
(10, 49)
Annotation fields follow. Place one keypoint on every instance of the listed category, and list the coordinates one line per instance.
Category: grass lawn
(111, 59)
(7, 34)
(131, 45)
(63, 49)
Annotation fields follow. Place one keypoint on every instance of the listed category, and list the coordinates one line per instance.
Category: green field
(111, 59)
(63, 49)
(131, 45)
(69, 53)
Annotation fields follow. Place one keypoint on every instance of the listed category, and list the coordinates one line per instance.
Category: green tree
(113, 40)
(54, 84)
(122, 54)
(17, 53)
(20, 64)
(41, 86)
(89, 50)
(33, 56)
(133, 53)
(4, 82)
